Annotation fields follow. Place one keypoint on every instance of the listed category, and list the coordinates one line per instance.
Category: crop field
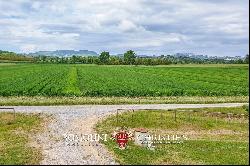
(118, 81)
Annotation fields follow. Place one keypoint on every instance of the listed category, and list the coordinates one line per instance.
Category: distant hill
(66, 53)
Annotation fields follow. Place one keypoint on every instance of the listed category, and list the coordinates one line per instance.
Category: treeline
(130, 58)
(11, 56)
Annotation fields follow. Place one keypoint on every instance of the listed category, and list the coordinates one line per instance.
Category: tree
(239, 61)
(129, 57)
(74, 59)
(114, 60)
(104, 57)
(247, 59)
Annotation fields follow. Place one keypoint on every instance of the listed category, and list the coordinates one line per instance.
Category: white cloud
(128, 26)
(159, 25)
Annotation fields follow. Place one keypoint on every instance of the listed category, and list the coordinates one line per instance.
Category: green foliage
(11, 56)
(104, 57)
(132, 81)
(129, 57)
(247, 59)
(246, 108)
(72, 86)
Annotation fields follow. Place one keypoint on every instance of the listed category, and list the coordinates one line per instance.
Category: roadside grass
(190, 152)
(212, 138)
(63, 100)
(184, 121)
(15, 138)
(235, 110)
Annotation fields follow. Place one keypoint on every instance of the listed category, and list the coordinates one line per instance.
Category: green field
(123, 81)
(213, 138)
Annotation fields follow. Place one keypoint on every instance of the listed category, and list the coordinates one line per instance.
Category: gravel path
(81, 119)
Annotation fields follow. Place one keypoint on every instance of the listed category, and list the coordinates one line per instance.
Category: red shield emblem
(121, 138)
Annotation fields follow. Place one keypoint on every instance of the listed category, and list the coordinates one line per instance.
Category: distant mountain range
(65, 53)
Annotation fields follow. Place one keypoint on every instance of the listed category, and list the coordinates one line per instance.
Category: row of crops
(32, 80)
(91, 80)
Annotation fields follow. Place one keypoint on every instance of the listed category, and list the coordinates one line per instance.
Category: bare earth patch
(56, 150)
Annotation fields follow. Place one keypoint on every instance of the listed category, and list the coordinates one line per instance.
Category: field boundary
(67, 100)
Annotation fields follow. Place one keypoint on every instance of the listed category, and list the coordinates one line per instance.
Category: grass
(212, 138)
(123, 81)
(15, 140)
(191, 152)
(66, 100)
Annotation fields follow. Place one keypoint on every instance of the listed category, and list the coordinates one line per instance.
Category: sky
(208, 27)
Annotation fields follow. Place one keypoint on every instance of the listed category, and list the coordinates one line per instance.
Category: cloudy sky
(212, 27)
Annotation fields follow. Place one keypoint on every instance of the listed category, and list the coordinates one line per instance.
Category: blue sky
(211, 27)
